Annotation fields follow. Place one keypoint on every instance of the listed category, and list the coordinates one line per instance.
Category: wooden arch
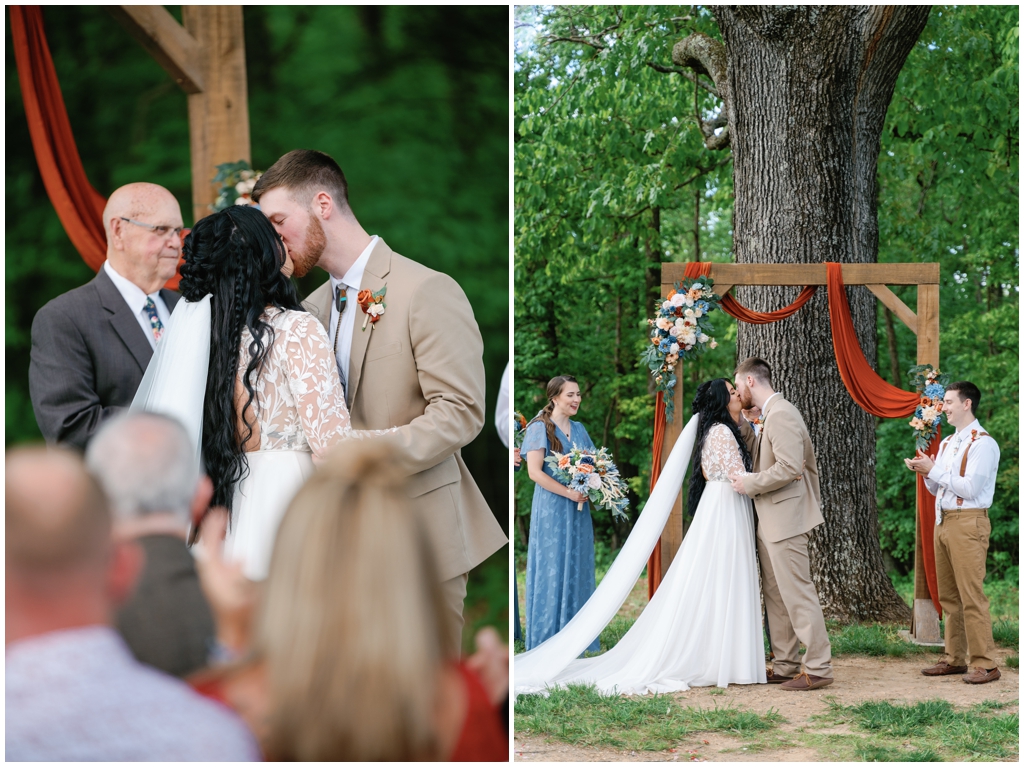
(875, 277)
(206, 57)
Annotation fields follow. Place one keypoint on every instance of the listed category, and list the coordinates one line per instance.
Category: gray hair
(145, 463)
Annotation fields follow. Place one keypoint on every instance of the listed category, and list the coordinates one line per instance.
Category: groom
(787, 499)
(408, 351)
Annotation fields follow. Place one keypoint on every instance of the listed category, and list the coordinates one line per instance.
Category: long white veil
(175, 380)
(535, 668)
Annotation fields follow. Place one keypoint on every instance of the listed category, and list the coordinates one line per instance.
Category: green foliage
(872, 639)
(874, 753)
(611, 176)
(582, 716)
(948, 193)
(411, 100)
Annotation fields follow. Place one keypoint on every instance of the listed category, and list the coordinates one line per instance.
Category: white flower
(242, 200)
(245, 187)
(594, 481)
(688, 313)
(713, 344)
(697, 312)
(375, 310)
(703, 338)
(664, 323)
(673, 331)
(677, 299)
(674, 349)
(666, 306)
(688, 301)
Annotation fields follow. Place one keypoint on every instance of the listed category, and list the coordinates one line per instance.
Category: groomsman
(91, 346)
(408, 350)
(963, 479)
(787, 498)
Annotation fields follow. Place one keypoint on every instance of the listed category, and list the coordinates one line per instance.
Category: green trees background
(411, 101)
(611, 179)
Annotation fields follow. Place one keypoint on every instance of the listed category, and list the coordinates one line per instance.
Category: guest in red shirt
(345, 659)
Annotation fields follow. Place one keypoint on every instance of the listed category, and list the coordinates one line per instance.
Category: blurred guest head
(62, 568)
(147, 465)
(352, 631)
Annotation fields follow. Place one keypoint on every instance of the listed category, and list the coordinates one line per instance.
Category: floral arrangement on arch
(236, 180)
(931, 385)
(518, 428)
(595, 475)
(680, 329)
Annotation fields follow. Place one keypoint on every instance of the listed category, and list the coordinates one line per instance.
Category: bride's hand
(752, 414)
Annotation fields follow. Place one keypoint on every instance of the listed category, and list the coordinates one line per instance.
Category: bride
(250, 374)
(703, 625)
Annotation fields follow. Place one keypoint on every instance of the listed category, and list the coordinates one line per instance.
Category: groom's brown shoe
(980, 675)
(774, 678)
(807, 682)
(943, 669)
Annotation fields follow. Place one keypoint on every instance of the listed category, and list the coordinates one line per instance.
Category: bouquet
(593, 474)
(236, 180)
(679, 330)
(931, 385)
(518, 428)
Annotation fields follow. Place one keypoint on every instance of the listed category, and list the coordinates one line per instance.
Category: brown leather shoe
(980, 675)
(943, 669)
(806, 682)
(774, 678)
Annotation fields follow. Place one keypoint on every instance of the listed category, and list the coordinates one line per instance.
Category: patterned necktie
(154, 319)
(340, 301)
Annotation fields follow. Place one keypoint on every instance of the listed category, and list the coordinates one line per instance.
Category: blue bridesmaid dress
(560, 554)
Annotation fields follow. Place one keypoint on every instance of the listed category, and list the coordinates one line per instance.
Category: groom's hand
(737, 483)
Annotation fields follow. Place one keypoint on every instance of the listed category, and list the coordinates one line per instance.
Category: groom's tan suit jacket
(782, 452)
(420, 368)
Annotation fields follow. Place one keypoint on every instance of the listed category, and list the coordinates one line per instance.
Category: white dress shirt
(353, 278)
(79, 695)
(757, 426)
(136, 300)
(978, 485)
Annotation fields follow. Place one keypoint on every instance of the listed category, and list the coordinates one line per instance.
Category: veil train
(534, 669)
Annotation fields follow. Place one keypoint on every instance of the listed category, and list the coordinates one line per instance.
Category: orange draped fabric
(78, 205)
(654, 563)
(735, 309)
(926, 526)
(868, 389)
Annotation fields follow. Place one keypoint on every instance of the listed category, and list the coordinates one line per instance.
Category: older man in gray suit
(91, 346)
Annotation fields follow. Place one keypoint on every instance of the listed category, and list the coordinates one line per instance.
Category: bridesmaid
(560, 555)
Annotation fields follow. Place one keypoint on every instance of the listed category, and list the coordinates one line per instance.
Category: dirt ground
(858, 678)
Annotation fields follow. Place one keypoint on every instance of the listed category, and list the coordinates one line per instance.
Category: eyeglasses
(157, 229)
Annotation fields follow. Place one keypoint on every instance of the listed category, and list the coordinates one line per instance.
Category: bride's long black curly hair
(711, 403)
(236, 256)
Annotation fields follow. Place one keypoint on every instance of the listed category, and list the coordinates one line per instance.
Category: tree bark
(808, 89)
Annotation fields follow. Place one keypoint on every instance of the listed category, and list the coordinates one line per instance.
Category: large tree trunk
(808, 88)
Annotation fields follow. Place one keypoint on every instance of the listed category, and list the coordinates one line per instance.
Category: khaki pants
(453, 592)
(961, 543)
(794, 613)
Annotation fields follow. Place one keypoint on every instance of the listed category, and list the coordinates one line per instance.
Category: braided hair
(236, 256)
(555, 386)
(711, 403)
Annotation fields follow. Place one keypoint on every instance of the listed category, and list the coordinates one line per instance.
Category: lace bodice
(721, 456)
(299, 403)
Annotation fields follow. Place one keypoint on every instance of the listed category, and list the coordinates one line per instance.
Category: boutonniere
(372, 304)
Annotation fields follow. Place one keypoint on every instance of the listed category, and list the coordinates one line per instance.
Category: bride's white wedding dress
(703, 626)
(299, 408)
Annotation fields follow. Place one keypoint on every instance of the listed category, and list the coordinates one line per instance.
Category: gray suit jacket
(88, 357)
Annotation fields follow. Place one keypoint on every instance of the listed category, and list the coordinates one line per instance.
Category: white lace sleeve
(721, 456)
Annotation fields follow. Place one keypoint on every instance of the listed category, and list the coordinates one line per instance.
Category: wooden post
(924, 626)
(672, 537)
(218, 116)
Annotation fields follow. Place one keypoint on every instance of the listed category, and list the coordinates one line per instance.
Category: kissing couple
(386, 349)
(702, 627)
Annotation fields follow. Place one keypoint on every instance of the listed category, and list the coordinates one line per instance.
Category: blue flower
(579, 483)
(665, 345)
(703, 306)
(587, 460)
(934, 391)
(919, 412)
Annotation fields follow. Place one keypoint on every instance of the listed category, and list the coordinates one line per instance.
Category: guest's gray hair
(145, 463)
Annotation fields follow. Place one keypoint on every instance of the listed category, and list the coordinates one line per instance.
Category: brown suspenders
(963, 463)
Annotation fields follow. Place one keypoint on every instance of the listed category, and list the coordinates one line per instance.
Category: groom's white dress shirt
(136, 300)
(353, 278)
(978, 485)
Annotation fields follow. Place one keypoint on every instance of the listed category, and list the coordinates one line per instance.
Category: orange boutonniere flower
(372, 304)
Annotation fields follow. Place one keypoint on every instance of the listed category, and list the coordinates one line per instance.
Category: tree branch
(706, 56)
(685, 73)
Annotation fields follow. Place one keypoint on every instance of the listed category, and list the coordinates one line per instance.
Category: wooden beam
(897, 307)
(928, 325)
(167, 41)
(218, 116)
(809, 274)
